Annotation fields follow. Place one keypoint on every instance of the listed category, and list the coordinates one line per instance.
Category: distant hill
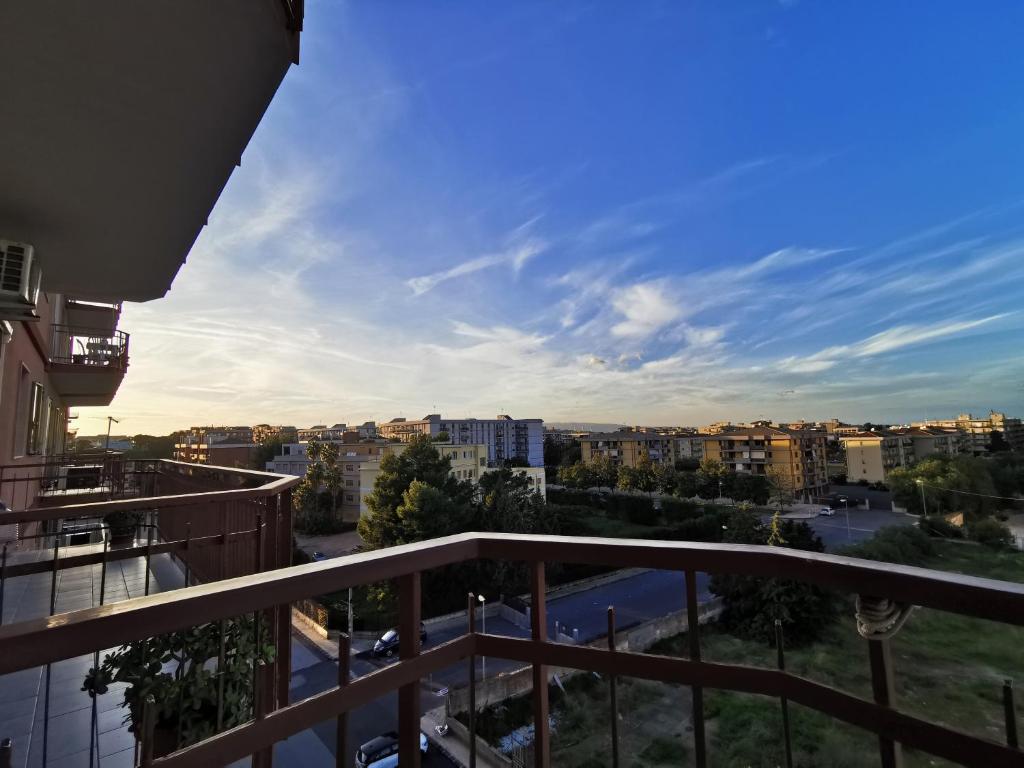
(583, 426)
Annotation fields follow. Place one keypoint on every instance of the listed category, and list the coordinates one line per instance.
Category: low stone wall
(638, 639)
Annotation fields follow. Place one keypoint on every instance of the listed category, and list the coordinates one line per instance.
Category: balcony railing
(73, 345)
(44, 641)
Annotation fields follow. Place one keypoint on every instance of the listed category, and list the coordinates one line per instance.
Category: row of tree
(978, 486)
(710, 480)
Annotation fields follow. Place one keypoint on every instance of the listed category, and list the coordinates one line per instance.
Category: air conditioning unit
(20, 277)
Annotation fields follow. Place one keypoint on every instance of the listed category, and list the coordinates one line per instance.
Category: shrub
(571, 497)
(902, 544)
(991, 533)
(638, 510)
(678, 510)
(936, 525)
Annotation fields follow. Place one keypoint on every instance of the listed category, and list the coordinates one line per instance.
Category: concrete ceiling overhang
(121, 122)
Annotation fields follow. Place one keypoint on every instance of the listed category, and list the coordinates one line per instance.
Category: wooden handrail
(40, 641)
(273, 484)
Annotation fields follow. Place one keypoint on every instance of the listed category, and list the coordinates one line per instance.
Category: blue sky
(650, 212)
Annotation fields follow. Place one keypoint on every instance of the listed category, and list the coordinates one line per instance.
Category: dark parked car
(387, 644)
(318, 556)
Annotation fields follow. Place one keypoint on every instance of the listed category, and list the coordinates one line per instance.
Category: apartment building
(56, 352)
(624, 449)
(265, 433)
(200, 445)
(796, 457)
(689, 447)
(871, 456)
(505, 437)
(979, 429)
(322, 433)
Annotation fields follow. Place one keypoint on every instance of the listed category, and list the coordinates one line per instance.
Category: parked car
(387, 644)
(318, 556)
(382, 751)
(826, 512)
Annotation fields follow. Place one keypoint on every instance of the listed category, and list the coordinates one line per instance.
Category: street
(864, 523)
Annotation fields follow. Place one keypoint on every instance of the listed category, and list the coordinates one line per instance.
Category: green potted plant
(122, 526)
(196, 694)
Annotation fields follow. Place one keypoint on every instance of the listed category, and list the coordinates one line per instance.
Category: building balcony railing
(275, 718)
(92, 316)
(86, 365)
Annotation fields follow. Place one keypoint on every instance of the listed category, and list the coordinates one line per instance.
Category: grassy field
(949, 670)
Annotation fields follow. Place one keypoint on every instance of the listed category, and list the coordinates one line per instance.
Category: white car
(826, 512)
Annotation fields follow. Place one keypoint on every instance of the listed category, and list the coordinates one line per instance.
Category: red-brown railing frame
(36, 642)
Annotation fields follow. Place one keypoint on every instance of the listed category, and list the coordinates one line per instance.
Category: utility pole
(110, 419)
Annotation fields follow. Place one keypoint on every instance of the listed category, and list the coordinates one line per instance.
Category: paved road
(313, 673)
(864, 523)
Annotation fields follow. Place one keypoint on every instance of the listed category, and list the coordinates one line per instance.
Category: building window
(34, 439)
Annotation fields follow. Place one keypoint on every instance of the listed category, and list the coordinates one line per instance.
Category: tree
(665, 477)
(604, 473)
(641, 477)
(382, 526)
(752, 604)
(578, 475)
(783, 485)
(948, 484)
(150, 447)
(442, 437)
(997, 442)
(267, 451)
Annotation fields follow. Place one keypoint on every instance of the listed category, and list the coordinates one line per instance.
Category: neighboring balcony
(86, 365)
(92, 316)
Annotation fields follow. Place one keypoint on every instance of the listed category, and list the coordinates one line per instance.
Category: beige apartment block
(625, 448)
(871, 456)
(795, 456)
(979, 429)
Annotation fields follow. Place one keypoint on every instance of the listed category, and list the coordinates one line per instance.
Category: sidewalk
(455, 745)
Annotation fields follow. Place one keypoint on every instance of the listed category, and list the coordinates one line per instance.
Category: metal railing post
(782, 699)
(3, 581)
(612, 693)
(6, 752)
(148, 730)
(1010, 713)
(693, 635)
(409, 599)
(538, 633)
(884, 689)
(344, 660)
(471, 630)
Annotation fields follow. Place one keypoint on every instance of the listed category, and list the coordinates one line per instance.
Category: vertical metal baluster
(884, 688)
(256, 614)
(148, 729)
(539, 634)
(471, 619)
(3, 581)
(188, 553)
(782, 699)
(1010, 712)
(344, 659)
(149, 549)
(612, 691)
(693, 634)
(220, 677)
(409, 709)
(49, 666)
(94, 728)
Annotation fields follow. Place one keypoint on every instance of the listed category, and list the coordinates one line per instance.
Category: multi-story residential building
(265, 433)
(871, 456)
(230, 443)
(979, 429)
(689, 447)
(624, 449)
(563, 436)
(505, 437)
(360, 464)
(794, 457)
(935, 440)
(56, 352)
(322, 433)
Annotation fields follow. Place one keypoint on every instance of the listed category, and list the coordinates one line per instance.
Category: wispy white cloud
(515, 256)
(646, 307)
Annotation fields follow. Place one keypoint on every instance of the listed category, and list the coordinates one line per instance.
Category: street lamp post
(846, 508)
(483, 629)
(719, 490)
(924, 503)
